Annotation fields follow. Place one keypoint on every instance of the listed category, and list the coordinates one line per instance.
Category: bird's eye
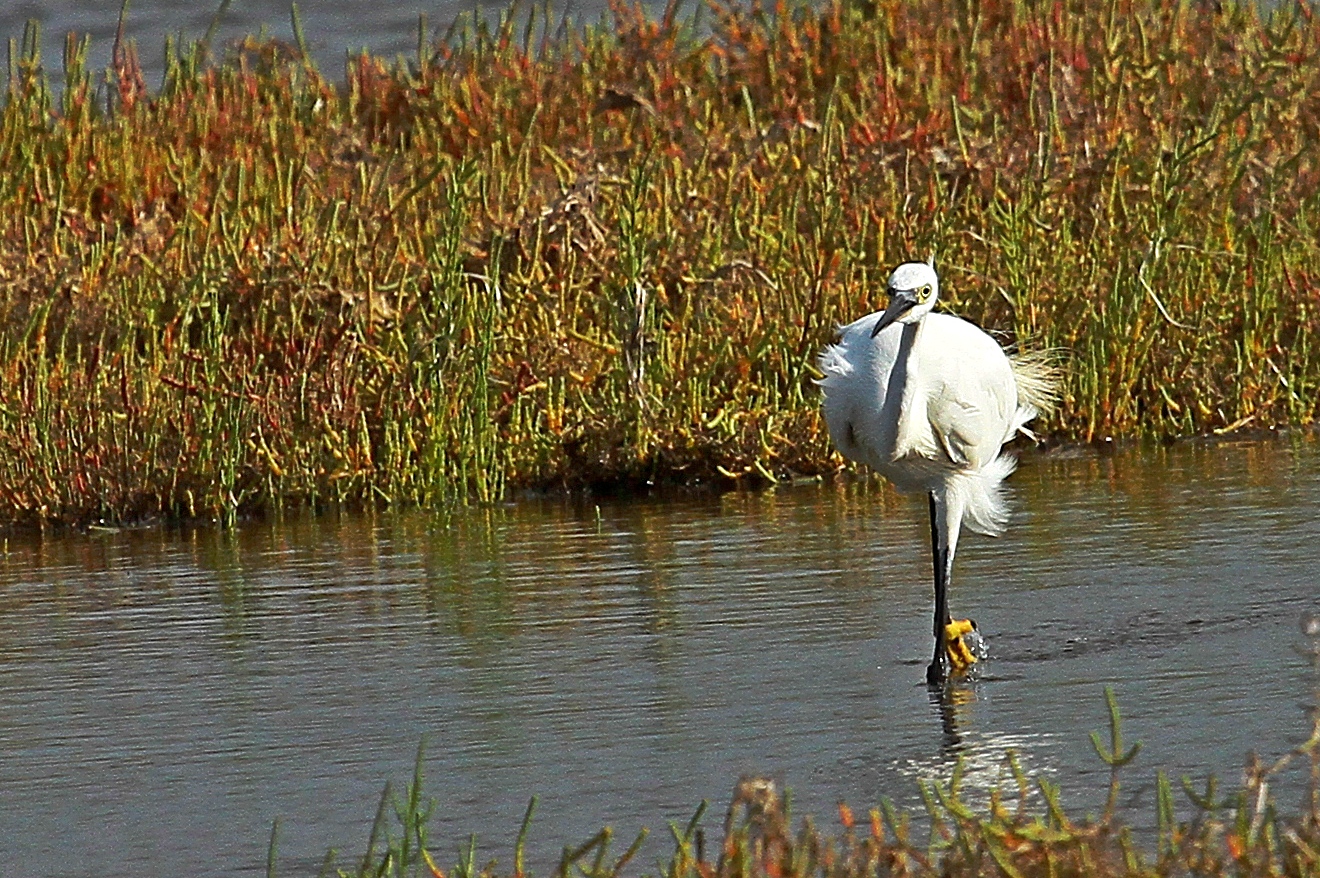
(924, 293)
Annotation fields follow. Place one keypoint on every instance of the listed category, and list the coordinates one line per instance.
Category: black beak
(899, 304)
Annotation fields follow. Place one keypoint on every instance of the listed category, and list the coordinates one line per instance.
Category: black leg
(935, 673)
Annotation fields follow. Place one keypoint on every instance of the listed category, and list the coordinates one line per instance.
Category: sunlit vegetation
(541, 256)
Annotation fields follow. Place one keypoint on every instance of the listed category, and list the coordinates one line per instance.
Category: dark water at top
(385, 27)
(165, 696)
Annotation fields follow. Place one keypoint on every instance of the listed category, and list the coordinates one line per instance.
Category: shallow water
(164, 695)
(385, 27)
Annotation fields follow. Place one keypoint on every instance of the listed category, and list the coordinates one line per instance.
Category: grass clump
(537, 257)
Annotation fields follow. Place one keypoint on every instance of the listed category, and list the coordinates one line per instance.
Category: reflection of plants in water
(1243, 833)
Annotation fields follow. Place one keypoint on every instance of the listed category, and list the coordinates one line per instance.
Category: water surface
(333, 29)
(166, 695)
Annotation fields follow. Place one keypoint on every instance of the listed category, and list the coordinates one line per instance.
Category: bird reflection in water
(952, 703)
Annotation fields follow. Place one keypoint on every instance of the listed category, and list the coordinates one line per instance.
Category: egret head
(913, 289)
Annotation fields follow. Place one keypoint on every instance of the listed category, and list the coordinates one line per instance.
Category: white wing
(969, 390)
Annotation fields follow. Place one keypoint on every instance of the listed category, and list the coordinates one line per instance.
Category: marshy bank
(540, 257)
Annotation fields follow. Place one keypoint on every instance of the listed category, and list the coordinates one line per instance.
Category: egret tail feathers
(834, 364)
(1037, 375)
(979, 495)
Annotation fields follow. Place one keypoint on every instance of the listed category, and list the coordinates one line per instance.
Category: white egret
(928, 400)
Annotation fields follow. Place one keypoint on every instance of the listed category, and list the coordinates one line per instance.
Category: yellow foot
(961, 656)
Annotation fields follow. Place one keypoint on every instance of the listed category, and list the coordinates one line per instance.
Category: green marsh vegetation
(542, 256)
